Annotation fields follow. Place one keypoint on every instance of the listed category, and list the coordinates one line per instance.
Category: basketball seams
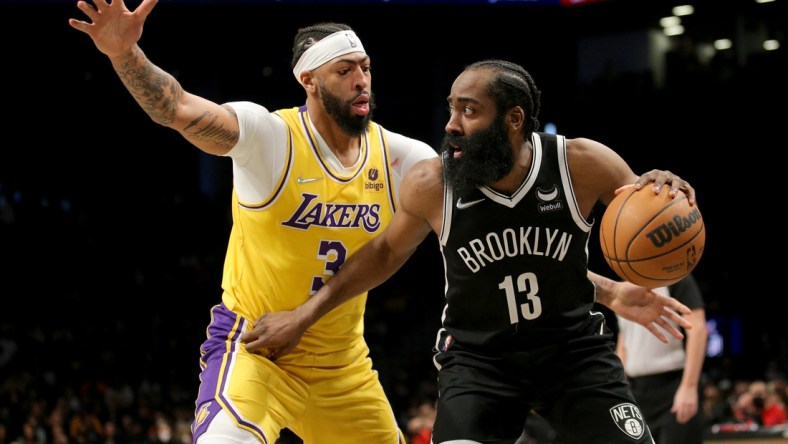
(637, 225)
(647, 226)
(666, 252)
(619, 217)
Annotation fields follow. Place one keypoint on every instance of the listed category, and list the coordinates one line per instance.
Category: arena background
(113, 229)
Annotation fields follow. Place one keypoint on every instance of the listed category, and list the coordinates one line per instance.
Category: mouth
(456, 151)
(361, 104)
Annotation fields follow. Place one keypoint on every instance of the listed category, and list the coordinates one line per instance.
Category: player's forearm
(155, 90)
(363, 271)
(604, 289)
(695, 349)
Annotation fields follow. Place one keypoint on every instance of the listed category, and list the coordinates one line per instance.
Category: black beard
(487, 156)
(340, 111)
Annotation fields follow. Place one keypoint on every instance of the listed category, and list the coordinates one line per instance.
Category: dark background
(113, 229)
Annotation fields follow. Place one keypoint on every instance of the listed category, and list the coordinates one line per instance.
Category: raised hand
(113, 28)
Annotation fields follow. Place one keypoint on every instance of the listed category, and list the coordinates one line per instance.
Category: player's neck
(511, 182)
(346, 148)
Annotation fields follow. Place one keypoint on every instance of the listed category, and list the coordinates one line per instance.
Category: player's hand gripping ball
(652, 240)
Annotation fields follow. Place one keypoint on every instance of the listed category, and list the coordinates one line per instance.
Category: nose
(453, 125)
(361, 78)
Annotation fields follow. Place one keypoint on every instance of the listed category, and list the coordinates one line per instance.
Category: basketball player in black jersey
(513, 211)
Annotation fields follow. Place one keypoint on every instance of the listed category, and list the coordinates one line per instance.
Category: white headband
(335, 45)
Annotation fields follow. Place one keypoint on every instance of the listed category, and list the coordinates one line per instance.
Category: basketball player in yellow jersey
(311, 185)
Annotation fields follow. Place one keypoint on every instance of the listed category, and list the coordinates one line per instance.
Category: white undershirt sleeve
(260, 154)
(406, 152)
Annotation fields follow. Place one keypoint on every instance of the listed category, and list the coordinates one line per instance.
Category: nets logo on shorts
(628, 419)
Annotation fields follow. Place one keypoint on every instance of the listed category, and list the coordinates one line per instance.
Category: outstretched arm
(276, 334)
(115, 30)
(642, 305)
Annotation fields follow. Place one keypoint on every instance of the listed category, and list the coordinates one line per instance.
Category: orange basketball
(652, 240)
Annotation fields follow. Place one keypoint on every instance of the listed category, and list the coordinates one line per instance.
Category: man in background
(665, 377)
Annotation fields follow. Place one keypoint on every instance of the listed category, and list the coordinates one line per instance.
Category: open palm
(113, 28)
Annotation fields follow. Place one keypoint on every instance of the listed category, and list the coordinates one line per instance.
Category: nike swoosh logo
(312, 179)
(462, 205)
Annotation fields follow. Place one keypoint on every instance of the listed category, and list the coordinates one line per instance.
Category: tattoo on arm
(604, 289)
(156, 91)
(205, 127)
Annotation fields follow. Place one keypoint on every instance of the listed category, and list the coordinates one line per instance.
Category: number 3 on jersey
(334, 254)
(528, 286)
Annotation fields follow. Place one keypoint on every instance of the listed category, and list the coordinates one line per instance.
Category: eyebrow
(463, 100)
(352, 61)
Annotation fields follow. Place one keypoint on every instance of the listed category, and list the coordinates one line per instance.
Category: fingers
(254, 346)
(678, 184)
(657, 332)
(679, 308)
(102, 5)
(145, 8)
(661, 178)
(620, 189)
(690, 192)
(255, 339)
(673, 331)
(678, 322)
(249, 336)
(662, 324)
(79, 25)
(683, 414)
(677, 318)
(88, 10)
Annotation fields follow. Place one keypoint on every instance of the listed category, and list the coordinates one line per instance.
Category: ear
(516, 117)
(308, 81)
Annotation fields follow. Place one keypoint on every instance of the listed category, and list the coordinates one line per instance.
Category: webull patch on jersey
(628, 418)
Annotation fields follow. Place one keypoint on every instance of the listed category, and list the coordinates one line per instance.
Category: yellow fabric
(281, 250)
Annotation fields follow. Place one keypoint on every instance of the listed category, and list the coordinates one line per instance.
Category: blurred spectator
(714, 408)
(420, 425)
(59, 435)
(748, 407)
(111, 433)
(28, 435)
(774, 410)
(85, 426)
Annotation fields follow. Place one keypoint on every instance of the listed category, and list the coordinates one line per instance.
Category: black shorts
(655, 394)
(577, 386)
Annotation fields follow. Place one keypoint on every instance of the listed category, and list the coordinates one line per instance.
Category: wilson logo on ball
(652, 240)
(666, 232)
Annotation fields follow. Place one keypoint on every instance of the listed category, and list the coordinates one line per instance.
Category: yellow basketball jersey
(283, 249)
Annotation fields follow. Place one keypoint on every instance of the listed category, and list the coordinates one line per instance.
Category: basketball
(652, 240)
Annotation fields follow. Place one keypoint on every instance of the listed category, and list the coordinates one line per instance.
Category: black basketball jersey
(516, 266)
